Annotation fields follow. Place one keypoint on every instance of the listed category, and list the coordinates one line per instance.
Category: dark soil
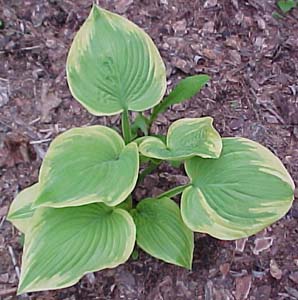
(252, 57)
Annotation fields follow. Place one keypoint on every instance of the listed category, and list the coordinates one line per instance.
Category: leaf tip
(209, 120)
(186, 263)
(22, 289)
(9, 214)
(95, 11)
(20, 292)
(207, 77)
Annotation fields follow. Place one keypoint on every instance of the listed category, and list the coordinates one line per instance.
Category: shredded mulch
(248, 47)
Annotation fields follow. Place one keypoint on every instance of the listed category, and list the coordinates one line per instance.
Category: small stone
(181, 64)
(271, 119)
(243, 285)
(210, 3)
(198, 58)
(235, 57)
(239, 17)
(161, 120)
(240, 244)
(209, 290)
(261, 23)
(48, 102)
(52, 44)
(165, 46)
(123, 5)
(4, 277)
(179, 179)
(3, 211)
(259, 42)
(3, 92)
(178, 107)
(38, 15)
(233, 42)
(175, 42)
(38, 73)
(261, 244)
(236, 124)
(209, 53)
(91, 278)
(10, 46)
(275, 271)
(180, 27)
(258, 274)
(235, 4)
(126, 278)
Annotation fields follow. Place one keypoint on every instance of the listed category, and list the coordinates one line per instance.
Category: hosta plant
(80, 216)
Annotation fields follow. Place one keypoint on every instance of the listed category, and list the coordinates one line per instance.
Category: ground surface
(253, 60)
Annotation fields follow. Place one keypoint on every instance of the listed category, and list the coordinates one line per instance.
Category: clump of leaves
(286, 5)
(79, 217)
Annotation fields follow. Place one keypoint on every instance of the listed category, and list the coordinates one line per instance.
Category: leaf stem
(174, 191)
(153, 117)
(126, 129)
(129, 202)
(126, 204)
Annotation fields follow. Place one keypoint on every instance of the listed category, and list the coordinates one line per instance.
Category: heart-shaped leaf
(162, 233)
(237, 195)
(21, 210)
(85, 165)
(113, 66)
(63, 244)
(186, 138)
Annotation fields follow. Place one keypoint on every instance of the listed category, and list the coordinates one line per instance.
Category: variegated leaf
(186, 138)
(86, 165)
(237, 195)
(63, 244)
(113, 66)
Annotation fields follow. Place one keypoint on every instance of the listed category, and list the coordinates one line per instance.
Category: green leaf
(126, 204)
(175, 163)
(184, 90)
(1, 24)
(113, 66)
(21, 210)
(237, 195)
(186, 138)
(86, 165)
(286, 5)
(140, 123)
(139, 140)
(135, 254)
(162, 233)
(66, 243)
